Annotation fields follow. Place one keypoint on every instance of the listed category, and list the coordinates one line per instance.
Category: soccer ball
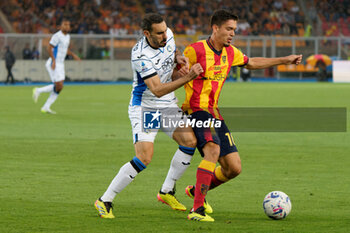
(277, 205)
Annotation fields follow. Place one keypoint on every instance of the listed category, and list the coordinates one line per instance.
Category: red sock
(204, 174)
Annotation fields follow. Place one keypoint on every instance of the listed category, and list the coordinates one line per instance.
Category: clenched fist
(195, 70)
(293, 59)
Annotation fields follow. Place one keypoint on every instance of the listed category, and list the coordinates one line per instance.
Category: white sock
(52, 98)
(124, 177)
(180, 162)
(47, 88)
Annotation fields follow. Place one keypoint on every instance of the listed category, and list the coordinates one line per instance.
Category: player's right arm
(53, 43)
(53, 64)
(159, 89)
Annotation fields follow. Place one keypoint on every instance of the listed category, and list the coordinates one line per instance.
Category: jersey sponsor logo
(216, 77)
(167, 65)
(217, 68)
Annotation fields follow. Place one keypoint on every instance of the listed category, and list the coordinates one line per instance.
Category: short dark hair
(149, 19)
(221, 16)
(63, 19)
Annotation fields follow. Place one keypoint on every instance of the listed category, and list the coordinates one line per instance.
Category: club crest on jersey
(223, 59)
(169, 48)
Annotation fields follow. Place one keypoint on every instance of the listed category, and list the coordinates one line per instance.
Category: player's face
(226, 32)
(157, 38)
(65, 26)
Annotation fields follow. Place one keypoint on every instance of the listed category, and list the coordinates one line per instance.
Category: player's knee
(191, 142)
(146, 160)
(213, 148)
(58, 88)
(211, 151)
(233, 171)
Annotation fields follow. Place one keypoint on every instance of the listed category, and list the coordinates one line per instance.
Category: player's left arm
(179, 72)
(262, 62)
(75, 57)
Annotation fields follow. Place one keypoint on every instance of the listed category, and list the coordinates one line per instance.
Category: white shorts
(57, 74)
(172, 113)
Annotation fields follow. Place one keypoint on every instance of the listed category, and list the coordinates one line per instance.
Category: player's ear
(146, 33)
(215, 28)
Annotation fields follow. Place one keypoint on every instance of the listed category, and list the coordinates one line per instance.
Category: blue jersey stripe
(138, 90)
(55, 50)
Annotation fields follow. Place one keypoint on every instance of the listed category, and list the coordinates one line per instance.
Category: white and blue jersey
(60, 42)
(147, 62)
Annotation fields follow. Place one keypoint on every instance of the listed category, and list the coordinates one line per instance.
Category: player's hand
(293, 59)
(196, 70)
(184, 61)
(53, 64)
(75, 57)
(183, 71)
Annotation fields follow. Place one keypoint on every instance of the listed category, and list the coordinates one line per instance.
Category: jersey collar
(212, 47)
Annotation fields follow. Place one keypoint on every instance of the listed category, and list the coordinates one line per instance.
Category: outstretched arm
(262, 62)
(159, 89)
(75, 57)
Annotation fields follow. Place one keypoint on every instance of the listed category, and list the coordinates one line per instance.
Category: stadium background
(106, 30)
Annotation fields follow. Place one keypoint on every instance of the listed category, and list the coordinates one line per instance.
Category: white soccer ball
(277, 205)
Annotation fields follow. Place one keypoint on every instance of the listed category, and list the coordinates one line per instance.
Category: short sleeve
(144, 68)
(239, 59)
(190, 53)
(54, 40)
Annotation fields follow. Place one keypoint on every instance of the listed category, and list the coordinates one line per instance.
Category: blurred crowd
(261, 17)
(119, 17)
(123, 17)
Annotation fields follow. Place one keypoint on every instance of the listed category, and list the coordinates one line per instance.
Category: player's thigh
(185, 137)
(175, 126)
(143, 140)
(227, 143)
(50, 71)
(231, 164)
(59, 73)
(204, 135)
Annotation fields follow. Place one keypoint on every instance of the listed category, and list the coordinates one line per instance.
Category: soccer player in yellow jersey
(216, 55)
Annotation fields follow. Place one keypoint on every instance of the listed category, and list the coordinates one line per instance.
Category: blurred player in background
(58, 49)
(217, 56)
(153, 59)
(10, 60)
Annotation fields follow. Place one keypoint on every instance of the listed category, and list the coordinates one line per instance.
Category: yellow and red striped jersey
(203, 92)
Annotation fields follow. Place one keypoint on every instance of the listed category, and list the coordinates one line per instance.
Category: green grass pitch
(53, 167)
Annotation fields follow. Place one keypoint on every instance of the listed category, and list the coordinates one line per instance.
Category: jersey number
(230, 139)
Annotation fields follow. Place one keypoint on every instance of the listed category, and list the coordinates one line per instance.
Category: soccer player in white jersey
(153, 60)
(58, 50)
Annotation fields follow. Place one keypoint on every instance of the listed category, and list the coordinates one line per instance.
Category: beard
(157, 43)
